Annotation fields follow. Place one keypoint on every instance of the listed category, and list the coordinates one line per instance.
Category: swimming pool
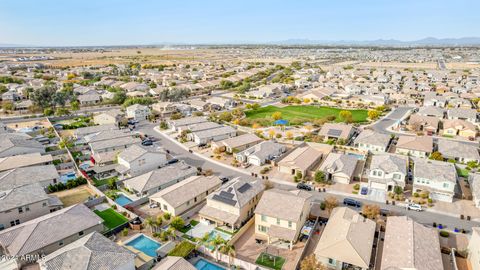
(123, 200)
(213, 234)
(206, 265)
(145, 245)
(67, 177)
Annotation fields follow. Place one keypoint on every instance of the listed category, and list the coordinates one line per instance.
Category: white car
(153, 205)
(414, 206)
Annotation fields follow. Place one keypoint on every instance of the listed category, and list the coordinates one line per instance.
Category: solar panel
(244, 187)
(226, 194)
(334, 132)
(224, 200)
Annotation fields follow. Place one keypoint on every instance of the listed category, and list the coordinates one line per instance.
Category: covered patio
(222, 219)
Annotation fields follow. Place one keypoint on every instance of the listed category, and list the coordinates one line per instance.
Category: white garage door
(376, 185)
(440, 197)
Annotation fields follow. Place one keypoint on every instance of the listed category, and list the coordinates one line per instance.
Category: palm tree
(228, 250)
(202, 241)
(158, 222)
(149, 223)
(216, 243)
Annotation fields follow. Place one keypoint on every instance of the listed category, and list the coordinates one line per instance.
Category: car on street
(414, 206)
(352, 202)
(172, 161)
(224, 179)
(147, 142)
(304, 186)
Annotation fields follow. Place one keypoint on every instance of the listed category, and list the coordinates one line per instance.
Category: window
(396, 176)
(14, 222)
(27, 208)
(331, 261)
(2, 227)
(80, 233)
(374, 173)
(20, 210)
(165, 207)
(60, 243)
(195, 199)
(262, 228)
(278, 221)
(445, 185)
(290, 224)
(264, 218)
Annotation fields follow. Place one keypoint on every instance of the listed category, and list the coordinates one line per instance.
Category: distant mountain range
(429, 41)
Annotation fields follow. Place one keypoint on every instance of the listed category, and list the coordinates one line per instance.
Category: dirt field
(75, 195)
(28, 124)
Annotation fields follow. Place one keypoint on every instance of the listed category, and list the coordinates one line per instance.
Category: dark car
(147, 143)
(364, 191)
(304, 186)
(352, 202)
(224, 180)
(173, 160)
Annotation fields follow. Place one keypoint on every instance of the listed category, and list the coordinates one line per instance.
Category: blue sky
(123, 22)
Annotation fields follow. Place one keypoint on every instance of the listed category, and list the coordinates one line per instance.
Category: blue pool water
(123, 200)
(213, 234)
(145, 245)
(67, 177)
(206, 265)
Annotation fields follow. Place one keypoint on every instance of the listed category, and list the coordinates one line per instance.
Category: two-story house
(437, 177)
(233, 204)
(388, 171)
(372, 141)
(138, 112)
(280, 216)
(136, 160)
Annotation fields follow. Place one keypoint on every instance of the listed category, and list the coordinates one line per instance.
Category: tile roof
(91, 252)
(410, 245)
(347, 237)
(27, 175)
(38, 233)
(286, 205)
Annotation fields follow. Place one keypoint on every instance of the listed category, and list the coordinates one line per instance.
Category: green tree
(373, 114)
(75, 105)
(178, 223)
(277, 116)
(319, 177)
(346, 115)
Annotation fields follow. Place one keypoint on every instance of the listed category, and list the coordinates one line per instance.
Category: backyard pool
(206, 265)
(213, 234)
(67, 177)
(123, 200)
(145, 245)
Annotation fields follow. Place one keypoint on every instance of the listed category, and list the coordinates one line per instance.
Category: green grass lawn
(185, 229)
(267, 260)
(308, 113)
(111, 218)
(462, 172)
(103, 181)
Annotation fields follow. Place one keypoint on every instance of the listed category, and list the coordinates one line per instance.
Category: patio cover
(219, 215)
(281, 233)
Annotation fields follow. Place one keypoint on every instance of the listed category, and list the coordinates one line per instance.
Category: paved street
(423, 217)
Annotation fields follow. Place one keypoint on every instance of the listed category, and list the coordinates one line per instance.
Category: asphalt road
(426, 218)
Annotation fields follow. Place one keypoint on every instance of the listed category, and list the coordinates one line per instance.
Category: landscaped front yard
(111, 218)
(306, 113)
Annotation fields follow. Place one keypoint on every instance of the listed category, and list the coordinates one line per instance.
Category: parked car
(172, 161)
(364, 191)
(414, 206)
(147, 142)
(304, 186)
(352, 202)
(153, 205)
(224, 179)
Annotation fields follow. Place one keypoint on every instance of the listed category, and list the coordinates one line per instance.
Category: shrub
(444, 234)
(177, 223)
(167, 216)
(415, 195)
(182, 250)
(356, 186)
(322, 206)
(125, 232)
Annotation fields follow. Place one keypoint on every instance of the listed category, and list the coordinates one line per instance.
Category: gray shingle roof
(373, 138)
(38, 233)
(20, 196)
(389, 163)
(282, 204)
(336, 163)
(264, 149)
(454, 149)
(174, 263)
(91, 252)
(437, 171)
(27, 175)
(135, 151)
(161, 176)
